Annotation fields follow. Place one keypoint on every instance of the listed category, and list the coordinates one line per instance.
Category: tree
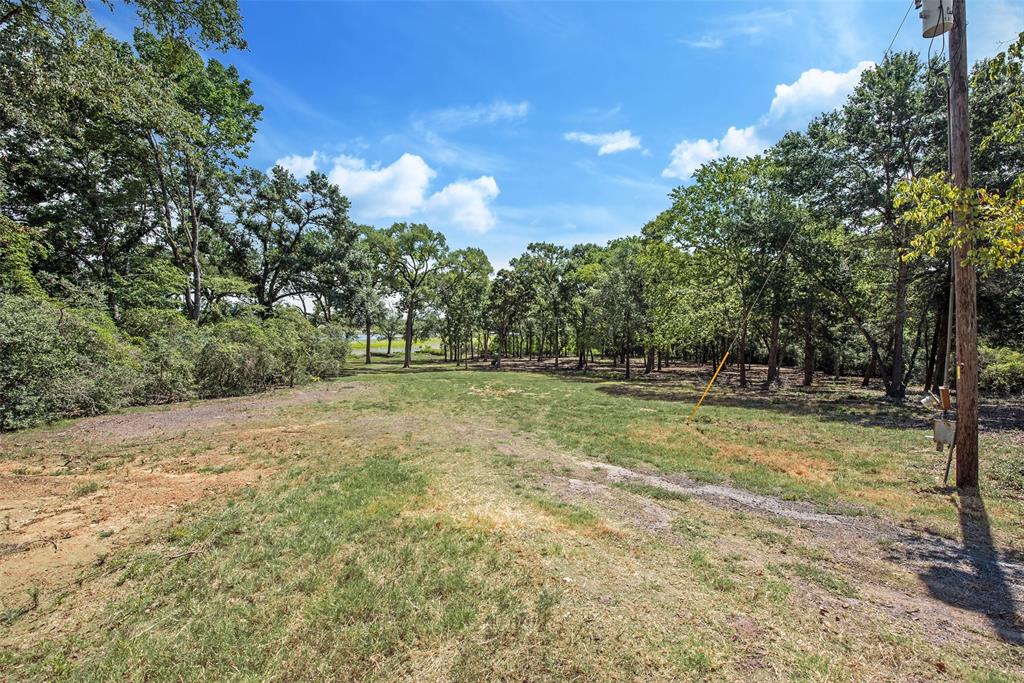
(411, 255)
(738, 219)
(846, 170)
(192, 151)
(506, 305)
(619, 294)
(462, 294)
(283, 228)
(583, 271)
(543, 266)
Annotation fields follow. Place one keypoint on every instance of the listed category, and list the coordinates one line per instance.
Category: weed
(569, 514)
(217, 469)
(651, 491)
(84, 489)
(831, 582)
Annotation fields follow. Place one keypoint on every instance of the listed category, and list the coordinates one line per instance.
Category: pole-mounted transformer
(936, 16)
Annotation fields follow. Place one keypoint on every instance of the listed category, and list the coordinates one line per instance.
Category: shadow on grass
(973, 575)
(840, 402)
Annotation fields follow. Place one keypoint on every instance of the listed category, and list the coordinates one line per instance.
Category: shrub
(60, 362)
(1002, 371)
(169, 344)
(235, 359)
(329, 351)
(291, 341)
(57, 361)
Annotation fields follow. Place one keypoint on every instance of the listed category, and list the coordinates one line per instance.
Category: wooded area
(143, 262)
(523, 490)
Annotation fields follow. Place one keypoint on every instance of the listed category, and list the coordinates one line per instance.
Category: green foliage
(993, 230)
(60, 362)
(236, 359)
(18, 248)
(169, 344)
(1002, 371)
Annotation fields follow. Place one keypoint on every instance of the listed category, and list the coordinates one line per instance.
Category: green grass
(821, 577)
(414, 529)
(324, 573)
(835, 451)
(84, 489)
(572, 515)
(651, 491)
(380, 346)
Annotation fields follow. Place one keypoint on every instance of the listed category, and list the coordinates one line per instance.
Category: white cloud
(400, 190)
(395, 190)
(466, 204)
(299, 165)
(813, 92)
(480, 114)
(689, 155)
(752, 26)
(706, 42)
(607, 143)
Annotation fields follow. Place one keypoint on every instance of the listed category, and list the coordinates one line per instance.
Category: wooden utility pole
(966, 294)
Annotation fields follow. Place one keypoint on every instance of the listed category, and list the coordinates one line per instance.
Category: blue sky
(502, 123)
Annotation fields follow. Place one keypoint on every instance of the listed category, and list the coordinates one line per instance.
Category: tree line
(141, 260)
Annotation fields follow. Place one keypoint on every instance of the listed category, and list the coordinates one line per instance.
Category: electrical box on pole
(936, 17)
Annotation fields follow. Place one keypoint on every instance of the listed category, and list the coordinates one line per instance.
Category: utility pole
(966, 440)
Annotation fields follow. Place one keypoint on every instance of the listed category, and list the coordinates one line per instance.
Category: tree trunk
(896, 387)
(773, 350)
(627, 353)
(649, 366)
(869, 371)
(808, 347)
(410, 312)
(934, 368)
(556, 349)
(367, 339)
(389, 345)
(197, 277)
(743, 355)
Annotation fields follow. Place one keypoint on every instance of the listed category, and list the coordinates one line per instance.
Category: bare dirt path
(951, 590)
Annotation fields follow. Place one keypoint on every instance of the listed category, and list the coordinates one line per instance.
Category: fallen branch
(187, 553)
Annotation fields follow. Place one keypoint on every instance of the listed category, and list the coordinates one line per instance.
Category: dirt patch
(947, 590)
(186, 417)
(56, 526)
(72, 496)
(680, 484)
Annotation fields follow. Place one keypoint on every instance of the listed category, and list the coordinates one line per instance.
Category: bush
(60, 362)
(235, 359)
(1002, 371)
(57, 361)
(169, 344)
(330, 349)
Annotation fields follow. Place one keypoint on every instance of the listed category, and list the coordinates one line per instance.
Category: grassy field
(445, 524)
(380, 346)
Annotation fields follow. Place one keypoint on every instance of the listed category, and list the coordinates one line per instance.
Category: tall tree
(411, 255)
(192, 153)
(283, 228)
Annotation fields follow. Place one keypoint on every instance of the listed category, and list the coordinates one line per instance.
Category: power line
(898, 29)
